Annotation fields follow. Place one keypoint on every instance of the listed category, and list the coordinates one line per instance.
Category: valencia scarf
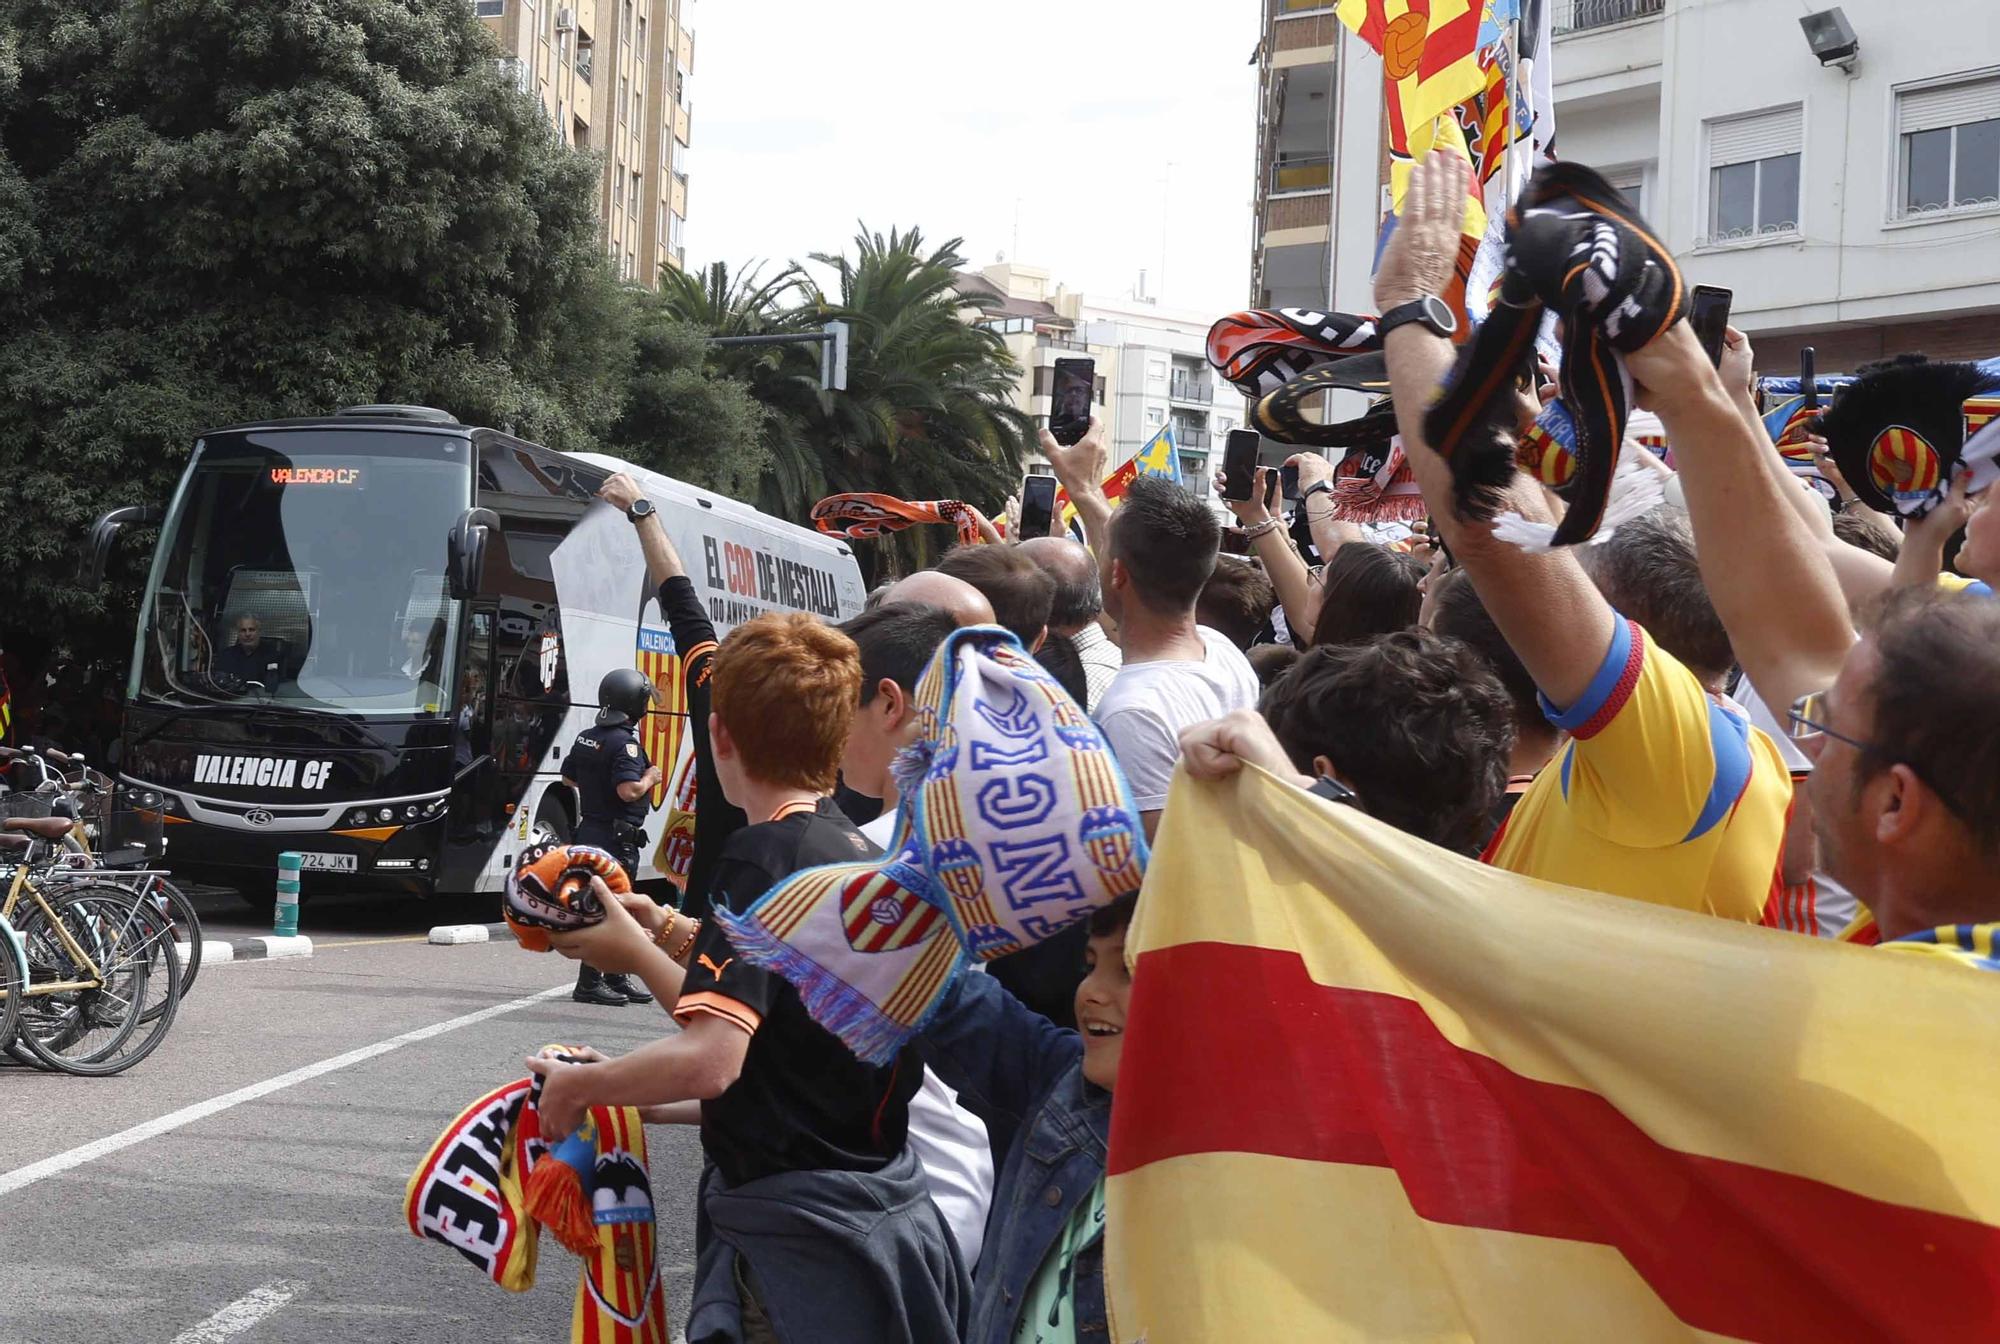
(1577, 248)
(860, 516)
(549, 891)
(491, 1181)
(1014, 823)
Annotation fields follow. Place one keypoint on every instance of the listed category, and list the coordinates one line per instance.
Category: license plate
(326, 863)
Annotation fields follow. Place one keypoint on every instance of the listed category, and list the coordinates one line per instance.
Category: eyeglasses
(1808, 717)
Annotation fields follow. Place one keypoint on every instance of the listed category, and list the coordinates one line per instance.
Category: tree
(681, 418)
(221, 210)
(929, 412)
(784, 379)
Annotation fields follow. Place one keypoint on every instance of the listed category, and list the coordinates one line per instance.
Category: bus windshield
(305, 569)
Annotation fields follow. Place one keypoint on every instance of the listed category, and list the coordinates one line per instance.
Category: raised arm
(1273, 546)
(1544, 604)
(663, 562)
(1081, 468)
(1328, 534)
(1767, 574)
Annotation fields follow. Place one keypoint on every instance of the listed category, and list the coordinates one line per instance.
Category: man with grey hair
(1079, 602)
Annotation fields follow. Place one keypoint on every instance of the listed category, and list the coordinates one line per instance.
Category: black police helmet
(623, 696)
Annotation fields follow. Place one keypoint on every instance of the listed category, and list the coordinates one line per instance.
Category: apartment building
(1293, 191)
(1150, 363)
(1853, 206)
(612, 76)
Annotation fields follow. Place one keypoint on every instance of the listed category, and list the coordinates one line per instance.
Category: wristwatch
(1429, 310)
(1314, 489)
(641, 509)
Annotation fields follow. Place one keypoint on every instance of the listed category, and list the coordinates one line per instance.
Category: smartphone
(1708, 314)
(1288, 480)
(1038, 506)
(1069, 399)
(1270, 489)
(1239, 464)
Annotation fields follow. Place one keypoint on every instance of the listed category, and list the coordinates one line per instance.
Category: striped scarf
(1014, 823)
(859, 516)
(482, 1190)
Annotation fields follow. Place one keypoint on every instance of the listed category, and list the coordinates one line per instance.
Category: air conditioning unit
(565, 20)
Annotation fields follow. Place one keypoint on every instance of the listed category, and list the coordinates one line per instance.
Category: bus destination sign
(315, 475)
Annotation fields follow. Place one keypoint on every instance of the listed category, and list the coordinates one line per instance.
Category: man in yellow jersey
(1664, 792)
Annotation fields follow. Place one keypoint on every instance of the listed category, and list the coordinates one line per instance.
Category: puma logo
(713, 969)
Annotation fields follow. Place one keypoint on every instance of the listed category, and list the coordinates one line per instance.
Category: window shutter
(1762, 135)
(1947, 105)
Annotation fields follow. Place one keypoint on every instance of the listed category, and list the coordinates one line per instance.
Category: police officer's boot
(634, 992)
(592, 987)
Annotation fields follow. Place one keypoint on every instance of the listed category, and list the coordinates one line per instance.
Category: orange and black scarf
(860, 516)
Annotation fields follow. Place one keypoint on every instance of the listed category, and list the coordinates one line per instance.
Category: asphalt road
(279, 1217)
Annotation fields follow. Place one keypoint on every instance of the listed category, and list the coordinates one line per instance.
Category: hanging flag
(1157, 458)
(1420, 1099)
(1429, 49)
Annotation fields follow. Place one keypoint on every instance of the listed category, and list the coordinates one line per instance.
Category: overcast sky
(1091, 137)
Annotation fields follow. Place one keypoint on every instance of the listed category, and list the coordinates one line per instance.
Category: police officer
(609, 770)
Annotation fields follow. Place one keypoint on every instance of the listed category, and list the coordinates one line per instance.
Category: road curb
(267, 948)
(454, 935)
(212, 951)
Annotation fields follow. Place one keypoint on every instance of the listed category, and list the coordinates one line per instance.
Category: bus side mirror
(467, 550)
(104, 534)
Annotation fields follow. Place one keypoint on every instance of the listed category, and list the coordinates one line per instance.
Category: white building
(1151, 366)
(1853, 209)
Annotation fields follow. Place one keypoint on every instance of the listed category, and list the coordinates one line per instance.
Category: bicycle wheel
(186, 928)
(116, 1017)
(13, 977)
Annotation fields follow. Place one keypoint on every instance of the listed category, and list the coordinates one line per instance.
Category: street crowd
(1741, 703)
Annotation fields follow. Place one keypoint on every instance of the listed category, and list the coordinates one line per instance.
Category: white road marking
(201, 1110)
(240, 1315)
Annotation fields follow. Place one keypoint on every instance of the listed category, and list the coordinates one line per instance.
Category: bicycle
(106, 835)
(95, 950)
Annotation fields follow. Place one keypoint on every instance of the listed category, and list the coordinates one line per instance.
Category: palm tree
(928, 412)
(783, 378)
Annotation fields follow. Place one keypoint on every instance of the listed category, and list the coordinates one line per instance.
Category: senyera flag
(1157, 458)
(1373, 1091)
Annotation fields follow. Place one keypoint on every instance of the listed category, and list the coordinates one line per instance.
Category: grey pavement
(290, 1205)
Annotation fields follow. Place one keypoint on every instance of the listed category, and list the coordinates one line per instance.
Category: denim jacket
(1050, 1130)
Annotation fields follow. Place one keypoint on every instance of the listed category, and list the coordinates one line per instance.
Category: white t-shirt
(1143, 713)
(949, 1140)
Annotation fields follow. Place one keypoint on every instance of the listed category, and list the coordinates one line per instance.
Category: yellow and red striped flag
(1374, 1091)
(1429, 49)
(1157, 458)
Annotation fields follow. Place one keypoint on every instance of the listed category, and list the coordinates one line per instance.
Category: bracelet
(694, 927)
(1257, 530)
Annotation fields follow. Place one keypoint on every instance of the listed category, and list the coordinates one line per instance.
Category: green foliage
(222, 210)
(928, 412)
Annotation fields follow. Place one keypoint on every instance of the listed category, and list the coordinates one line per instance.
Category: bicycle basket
(129, 837)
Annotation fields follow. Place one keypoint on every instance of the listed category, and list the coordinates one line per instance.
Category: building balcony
(1300, 210)
(1308, 35)
(1301, 173)
(1575, 16)
(1061, 340)
(1192, 393)
(1190, 437)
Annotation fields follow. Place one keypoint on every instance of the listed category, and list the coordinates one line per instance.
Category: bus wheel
(552, 824)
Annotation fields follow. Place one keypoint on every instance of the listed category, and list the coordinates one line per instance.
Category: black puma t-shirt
(803, 1101)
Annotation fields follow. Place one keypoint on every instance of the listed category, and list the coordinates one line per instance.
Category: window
(1631, 184)
(634, 205)
(1156, 372)
(488, 9)
(1949, 146)
(624, 94)
(1753, 175)
(674, 226)
(1155, 417)
(642, 37)
(660, 234)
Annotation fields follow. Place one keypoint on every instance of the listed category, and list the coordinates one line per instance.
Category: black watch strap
(1315, 488)
(1428, 309)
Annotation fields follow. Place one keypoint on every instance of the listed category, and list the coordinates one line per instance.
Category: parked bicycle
(90, 976)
